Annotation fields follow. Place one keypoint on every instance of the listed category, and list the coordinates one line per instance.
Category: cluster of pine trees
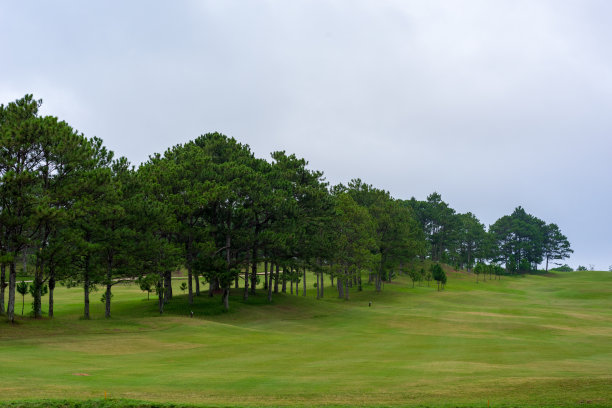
(211, 207)
(519, 241)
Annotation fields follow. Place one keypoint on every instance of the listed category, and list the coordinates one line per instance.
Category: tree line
(90, 219)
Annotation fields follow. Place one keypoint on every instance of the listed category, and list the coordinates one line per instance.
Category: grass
(522, 341)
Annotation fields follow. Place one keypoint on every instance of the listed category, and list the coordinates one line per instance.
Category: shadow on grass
(204, 305)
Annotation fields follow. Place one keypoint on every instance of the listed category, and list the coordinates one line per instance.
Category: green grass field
(522, 341)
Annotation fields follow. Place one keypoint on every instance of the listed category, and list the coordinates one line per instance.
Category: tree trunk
(254, 271)
(86, 284)
(109, 286)
(318, 288)
(196, 277)
(162, 292)
(346, 285)
(2, 287)
(190, 284)
(270, 283)
(245, 296)
(226, 298)
(322, 285)
(276, 278)
(360, 288)
(284, 288)
(266, 274)
(339, 286)
(167, 286)
(304, 283)
(38, 283)
(24, 258)
(291, 275)
(51, 289)
(226, 282)
(331, 277)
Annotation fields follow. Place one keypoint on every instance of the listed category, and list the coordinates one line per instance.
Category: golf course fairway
(524, 341)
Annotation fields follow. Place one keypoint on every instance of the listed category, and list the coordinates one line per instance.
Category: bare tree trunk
(322, 285)
(346, 288)
(254, 271)
(196, 277)
(291, 275)
(318, 288)
(167, 286)
(24, 258)
(3, 286)
(12, 284)
(266, 274)
(189, 269)
(269, 283)
(161, 291)
(284, 288)
(38, 283)
(276, 279)
(86, 284)
(339, 286)
(304, 283)
(51, 289)
(190, 284)
(225, 283)
(245, 296)
(109, 286)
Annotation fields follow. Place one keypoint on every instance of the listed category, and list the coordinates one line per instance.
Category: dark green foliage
(212, 207)
(438, 275)
(581, 268)
(522, 241)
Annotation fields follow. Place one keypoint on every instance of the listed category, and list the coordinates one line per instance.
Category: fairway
(522, 341)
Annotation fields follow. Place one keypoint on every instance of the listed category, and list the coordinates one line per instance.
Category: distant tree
(563, 268)
(427, 275)
(556, 245)
(518, 240)
(415, 275)
(147, 284)
(478, 269)
(581, 268)
(183, 286)
(438, 274)
(471, 240)
(22, 289)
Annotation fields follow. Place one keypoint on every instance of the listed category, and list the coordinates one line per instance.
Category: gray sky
(493, 104)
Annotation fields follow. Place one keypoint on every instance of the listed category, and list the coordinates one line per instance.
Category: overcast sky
(493, 104)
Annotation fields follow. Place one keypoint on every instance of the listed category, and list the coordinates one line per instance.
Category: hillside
(521, 341)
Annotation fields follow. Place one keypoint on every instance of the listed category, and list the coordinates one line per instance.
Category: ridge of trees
(89, 219)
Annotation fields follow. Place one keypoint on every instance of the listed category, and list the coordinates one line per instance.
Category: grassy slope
(521, 341)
